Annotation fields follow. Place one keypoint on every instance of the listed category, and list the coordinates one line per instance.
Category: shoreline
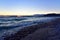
(29, 30)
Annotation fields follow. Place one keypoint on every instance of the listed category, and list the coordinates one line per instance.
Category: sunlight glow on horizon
(25, 12)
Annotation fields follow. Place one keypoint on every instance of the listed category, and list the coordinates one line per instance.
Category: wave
(10, 26)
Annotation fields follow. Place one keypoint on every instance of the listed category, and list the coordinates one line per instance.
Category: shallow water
(11, 25)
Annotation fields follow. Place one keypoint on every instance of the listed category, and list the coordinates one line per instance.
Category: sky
(29, 7)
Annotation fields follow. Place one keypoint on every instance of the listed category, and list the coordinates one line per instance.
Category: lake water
(10, 25)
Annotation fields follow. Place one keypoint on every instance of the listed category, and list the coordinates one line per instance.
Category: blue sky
(28, 7)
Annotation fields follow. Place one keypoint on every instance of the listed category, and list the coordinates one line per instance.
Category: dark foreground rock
(45, 31)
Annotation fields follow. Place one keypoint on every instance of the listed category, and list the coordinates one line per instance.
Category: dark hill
(52, 15)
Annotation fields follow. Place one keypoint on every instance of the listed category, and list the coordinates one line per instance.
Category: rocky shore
(44, 31)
